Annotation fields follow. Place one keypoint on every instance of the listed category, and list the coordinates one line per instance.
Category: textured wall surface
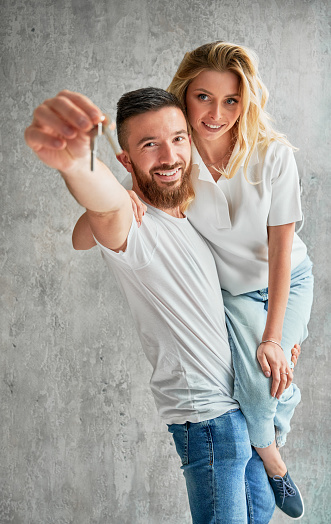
(80, 440)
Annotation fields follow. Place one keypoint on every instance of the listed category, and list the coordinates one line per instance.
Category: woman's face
(213, 103)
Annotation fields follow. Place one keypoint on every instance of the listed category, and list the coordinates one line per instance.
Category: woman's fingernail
(267, 374)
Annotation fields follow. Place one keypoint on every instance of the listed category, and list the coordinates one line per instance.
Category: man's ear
(124, 158)
(190, 138)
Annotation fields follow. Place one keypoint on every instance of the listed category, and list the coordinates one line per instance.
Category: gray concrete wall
(80, 440)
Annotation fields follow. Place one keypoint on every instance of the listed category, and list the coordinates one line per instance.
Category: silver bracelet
(273, 341)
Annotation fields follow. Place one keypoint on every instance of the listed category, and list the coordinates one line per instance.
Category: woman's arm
(280, 241)
(270, 356)
(82, 237)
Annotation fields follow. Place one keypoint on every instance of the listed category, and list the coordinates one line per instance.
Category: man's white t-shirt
(233, 214)
(169, 278)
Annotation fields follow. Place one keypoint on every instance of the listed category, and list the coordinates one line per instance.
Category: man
(169, 278)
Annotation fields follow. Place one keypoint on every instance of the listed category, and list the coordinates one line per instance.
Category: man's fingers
(92, 111)
(294, 360)
(295, 352)
(68, 112)
(51, 122)
(58, 119)
(36, 139)
(60, 130)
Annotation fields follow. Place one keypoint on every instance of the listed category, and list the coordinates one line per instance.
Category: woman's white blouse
(233, 215)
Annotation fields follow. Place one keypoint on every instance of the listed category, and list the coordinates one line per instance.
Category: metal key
(109, 130)
(96, 132)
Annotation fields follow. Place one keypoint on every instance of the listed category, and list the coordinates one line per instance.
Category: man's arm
(60, 136)
(82, 236)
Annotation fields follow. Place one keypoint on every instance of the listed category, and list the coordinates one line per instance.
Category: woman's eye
(231, 101)
(202, 96)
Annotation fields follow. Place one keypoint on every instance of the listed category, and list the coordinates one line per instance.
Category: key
(96, 132)
(109, 131)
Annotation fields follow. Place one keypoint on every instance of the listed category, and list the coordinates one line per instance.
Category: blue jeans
(245, 318)
(226, 484)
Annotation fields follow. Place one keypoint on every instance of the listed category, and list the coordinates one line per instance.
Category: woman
(247, 202)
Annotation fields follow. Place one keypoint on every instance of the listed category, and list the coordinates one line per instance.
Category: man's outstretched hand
(59, 133)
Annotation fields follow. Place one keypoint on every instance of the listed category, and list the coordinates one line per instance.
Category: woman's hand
(138, 207)
(273, 358)
(273, 363)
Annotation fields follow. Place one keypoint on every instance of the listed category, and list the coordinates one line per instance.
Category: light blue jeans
(267, 418)
(225, 478)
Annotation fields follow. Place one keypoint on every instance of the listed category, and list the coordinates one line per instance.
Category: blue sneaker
(287, 495)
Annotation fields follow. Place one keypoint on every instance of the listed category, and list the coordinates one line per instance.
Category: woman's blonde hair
(254, 125)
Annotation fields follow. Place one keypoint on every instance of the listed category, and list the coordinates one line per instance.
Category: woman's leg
(246, 317)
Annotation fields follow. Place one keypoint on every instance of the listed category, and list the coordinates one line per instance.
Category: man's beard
(165, 197)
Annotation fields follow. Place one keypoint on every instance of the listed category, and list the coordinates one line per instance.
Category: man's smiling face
(159, 152)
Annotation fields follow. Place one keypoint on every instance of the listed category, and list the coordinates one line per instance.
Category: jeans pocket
(180, 436)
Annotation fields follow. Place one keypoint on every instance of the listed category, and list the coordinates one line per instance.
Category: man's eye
(150, 144)
(179, 138)
(203, 96)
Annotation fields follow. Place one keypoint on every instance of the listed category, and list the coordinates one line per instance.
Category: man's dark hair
(141, 101)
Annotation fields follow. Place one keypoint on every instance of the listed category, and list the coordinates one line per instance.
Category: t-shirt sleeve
(285, 188)
(141, 243)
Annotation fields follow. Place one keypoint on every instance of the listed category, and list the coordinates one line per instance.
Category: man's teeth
(212, 126)
(168, 173)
